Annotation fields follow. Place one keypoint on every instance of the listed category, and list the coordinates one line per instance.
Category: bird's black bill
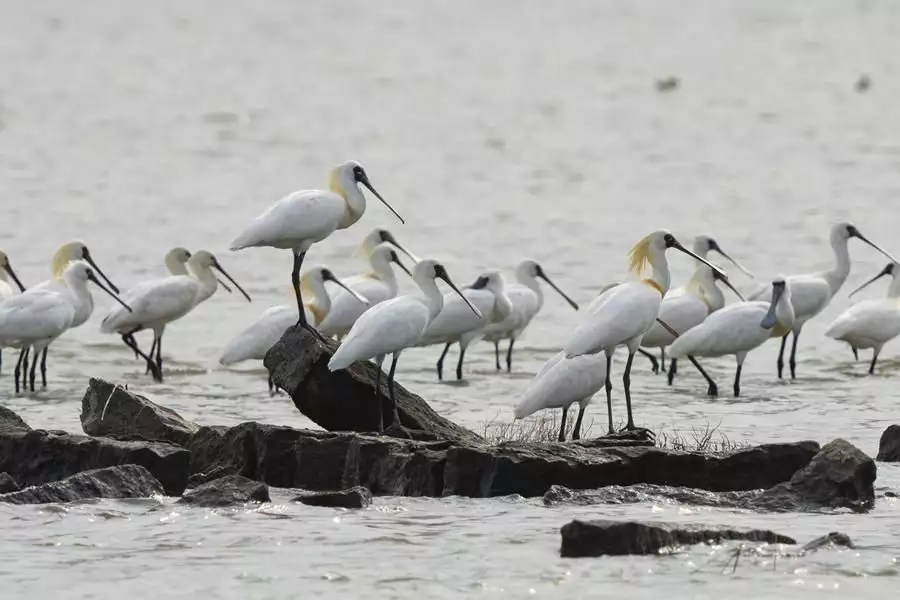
(769, 320)
(365, 181)
(230, 279)
(888, 270)
(396, 260)
(329, 276)
(677, 245)
(728, 283)
(224, 285)
(443, 275)
(667, 327)
(863, 238)
(15, 278)
(715, 246)
(90, 260)
(387, 236)
(571, 302)
(97, 282)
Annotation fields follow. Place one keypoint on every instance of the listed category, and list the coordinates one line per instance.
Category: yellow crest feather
(334, 183)
(639, 256)
(60, 261)
(306, 286)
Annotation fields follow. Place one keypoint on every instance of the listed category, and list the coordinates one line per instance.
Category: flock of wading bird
(368, 318)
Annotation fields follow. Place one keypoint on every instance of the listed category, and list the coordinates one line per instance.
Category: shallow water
(500, 130)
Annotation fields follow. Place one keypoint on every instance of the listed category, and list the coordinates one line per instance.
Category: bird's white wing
(681, 313)
(307, 215)
(161, 300)
(456, 318)
(524, 307)
(735, 328)
(345, 309)
(810, 294)
(628, 310)
(562, 381)
(387, 327)
(34, 315)
(876, 320)
(255, 341)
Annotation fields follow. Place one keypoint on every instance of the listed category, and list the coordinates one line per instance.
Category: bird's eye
(669, 239)
(358, 173)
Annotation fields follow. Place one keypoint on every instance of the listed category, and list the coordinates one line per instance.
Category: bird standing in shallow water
(810, 294)
(624, 313)
(871, 323)
(301, 219)
(6, 290)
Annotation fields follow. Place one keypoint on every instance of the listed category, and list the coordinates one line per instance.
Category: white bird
(739, 328)
(871, 323)
(301, 219)
(38, 316)
(157, 303)
(526, 298)
(624, 313)
(456, 323)
(391, 327)
(255, 340)
(810, 294)
(683, 304)
(560, 383)
(6, 290)
(699, 299)
(376, 287)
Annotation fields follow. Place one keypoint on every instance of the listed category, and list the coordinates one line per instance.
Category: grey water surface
(501, 130)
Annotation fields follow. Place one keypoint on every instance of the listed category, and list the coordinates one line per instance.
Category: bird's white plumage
(457, 322)
(681, 313)
(296, 221)
(255, 341)
(620, 315)
(867, 324)
(562, 381)
(385, 328)
(735, 328)
(525, 305)
(810, 294)
(34, 318)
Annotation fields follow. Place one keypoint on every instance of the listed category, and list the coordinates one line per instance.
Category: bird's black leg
(18, 368)
(512, 341)
(440, 362)
(855, 353)
(654, 364)
(295, 281)
(608, 384)
(459, 363)
(562, 426)
(128, 339)
(44, 367)
(33, 375)
(497, 353)
(713, 389)
(576, 433)
(378, 402)
(737, 381)
(152, 351)
(25, 370)
(874, 360)
(673, 369)
(158, 352)
(793, 361)
(271, 386)
(662, 358)
(780, 363)
(396, 425)
(626, 382)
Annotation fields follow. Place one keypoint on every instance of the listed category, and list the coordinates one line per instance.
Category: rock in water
(598, 538)
(10, 422)
(8, 484)
(355, 497)
(344, 400)
(889, 445)
(129, 416)
(122, 481)
(839, 476)
(829, 540)
(228, 490)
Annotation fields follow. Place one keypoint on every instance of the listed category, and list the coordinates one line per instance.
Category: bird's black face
(480, 283)
(778, 285)
(713, 246)
(538, 271)
(670, 241)
(385, 236)
(440, 272)
(359, 174)
(328, 275)
(852, 231)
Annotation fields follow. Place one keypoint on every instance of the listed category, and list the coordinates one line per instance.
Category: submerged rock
(8, 484)
(602, 537)
(129, 416)
(829, 540)
(122, 481)
(345, 400)
(355, 497)
(889, 445)
(34, 457)
(225, 491)
(839, 476)
(648, 493)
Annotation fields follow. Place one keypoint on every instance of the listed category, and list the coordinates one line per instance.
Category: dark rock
(344, 400)
(122, 481)
(129, 416)
(598, 538)
(8, 484)
(839, 476)
(10, 422)
(835, 538)
(648, 493)
(232, 489)
(889, 445)
(355, 497)
(37, 457)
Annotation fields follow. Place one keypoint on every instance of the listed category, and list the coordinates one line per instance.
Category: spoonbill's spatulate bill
(261, 335)
(871, 323)
(6, 290)
(679, 301)
(812, 293)
(739, 328)
(301, 219)
(526, 298)
(377, 286)
(624, 313)
(457, 324)
(33, 319)
(158, 303)
(560, 383)
(392, 326)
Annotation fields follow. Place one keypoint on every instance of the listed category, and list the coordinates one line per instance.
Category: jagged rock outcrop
(122, 481)
(226, 491)
(355, 497)
(889, 445)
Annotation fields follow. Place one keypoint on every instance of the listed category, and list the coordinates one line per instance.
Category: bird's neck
(78, 288)
(354, 200)
(837, 275)
(175, 267)
(532, 284)
(502, 305)
(381, 270)
(433, 297)
(660, 278)
(207, 279)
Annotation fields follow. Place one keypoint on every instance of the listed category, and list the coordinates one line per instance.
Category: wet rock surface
(8, 484)
(226, 491)
(355, 497)
(122, 481)
(112, 411)
(10, 422)
(889, 445)
(829, 540)
(606, 537)
(345, 400)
